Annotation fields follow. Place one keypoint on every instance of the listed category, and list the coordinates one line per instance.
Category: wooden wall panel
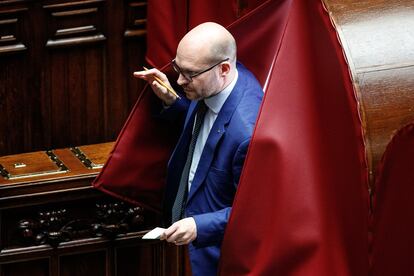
(66, 71)
(12, 103)
(73, 82)
(15, 100)
(36, 268)
(135, 260)
(75, 23)
(134, 35)
(115, 91)
(11, 31)
(94, 98)
(80, 264)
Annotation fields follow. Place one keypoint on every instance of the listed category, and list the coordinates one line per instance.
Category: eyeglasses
(190, 75)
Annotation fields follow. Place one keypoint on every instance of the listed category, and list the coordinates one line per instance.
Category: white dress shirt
(214, 105)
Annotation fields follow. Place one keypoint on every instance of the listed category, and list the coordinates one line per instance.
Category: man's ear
(225, 68)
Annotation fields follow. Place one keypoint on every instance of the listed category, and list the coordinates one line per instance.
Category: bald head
(208, 43)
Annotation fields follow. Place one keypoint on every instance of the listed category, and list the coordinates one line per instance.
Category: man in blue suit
(222, 100)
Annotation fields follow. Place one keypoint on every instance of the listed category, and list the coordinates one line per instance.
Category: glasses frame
(189, 78)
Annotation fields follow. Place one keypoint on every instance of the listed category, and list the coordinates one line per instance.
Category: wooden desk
(52, 222)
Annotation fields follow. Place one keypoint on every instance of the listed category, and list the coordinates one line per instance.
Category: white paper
(154, 233)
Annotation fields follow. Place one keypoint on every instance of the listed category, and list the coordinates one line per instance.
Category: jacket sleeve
(176, 111)
(211, 226)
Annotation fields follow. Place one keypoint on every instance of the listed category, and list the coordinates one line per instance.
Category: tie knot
(201, 108)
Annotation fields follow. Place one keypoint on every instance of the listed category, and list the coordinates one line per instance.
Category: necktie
(181, 197)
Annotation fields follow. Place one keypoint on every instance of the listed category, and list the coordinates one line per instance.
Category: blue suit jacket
(214, 185)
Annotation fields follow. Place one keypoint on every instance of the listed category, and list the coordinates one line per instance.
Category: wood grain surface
(378, 41)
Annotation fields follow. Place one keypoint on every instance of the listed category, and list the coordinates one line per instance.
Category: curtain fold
(302, 205)
(393, 241)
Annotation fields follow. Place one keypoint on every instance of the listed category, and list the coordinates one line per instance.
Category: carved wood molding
(7, 2)
(59, 225)
(75, 23)
(11, 22)
(136, 19)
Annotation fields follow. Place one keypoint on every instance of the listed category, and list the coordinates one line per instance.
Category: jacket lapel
(178, 158)
(216, 133)
(185, 137)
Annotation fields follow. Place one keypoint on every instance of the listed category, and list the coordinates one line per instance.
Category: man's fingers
(180, 243)
(170, 231)
(159, 83)
(176, 236)
(150, 75)
(174, 233)
(142, 75)
(181, 232)
(184, 239)
(159, 88)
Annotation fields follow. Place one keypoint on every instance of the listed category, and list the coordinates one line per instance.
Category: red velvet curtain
(302, 205)
(169, 20)
(136, 168)
(393, 243)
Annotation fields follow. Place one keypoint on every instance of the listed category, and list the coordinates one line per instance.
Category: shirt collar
(216, 102)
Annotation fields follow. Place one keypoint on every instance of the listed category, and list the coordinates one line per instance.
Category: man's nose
(181, 80)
